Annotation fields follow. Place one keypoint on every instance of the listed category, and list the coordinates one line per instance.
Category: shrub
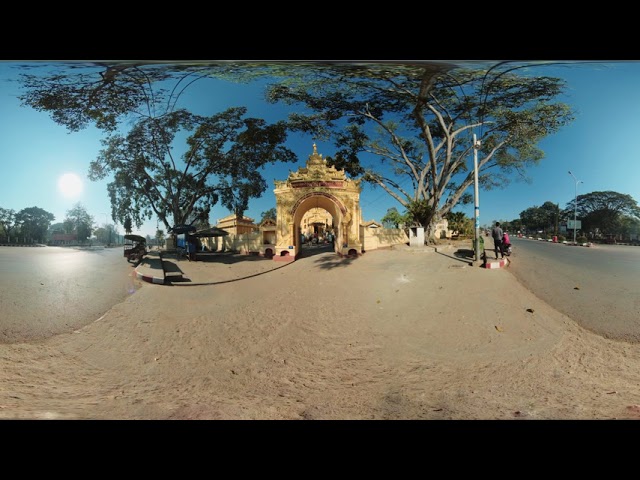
(561, 238)
(582, 240)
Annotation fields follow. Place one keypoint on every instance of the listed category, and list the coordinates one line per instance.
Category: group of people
(314, 238)
(501, 241)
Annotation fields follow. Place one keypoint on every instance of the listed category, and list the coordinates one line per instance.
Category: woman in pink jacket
(506, 243)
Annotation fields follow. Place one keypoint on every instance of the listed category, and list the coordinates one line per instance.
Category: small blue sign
(290, 247)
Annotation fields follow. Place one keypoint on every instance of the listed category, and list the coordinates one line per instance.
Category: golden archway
(323, 187)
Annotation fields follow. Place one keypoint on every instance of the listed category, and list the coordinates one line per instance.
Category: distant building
(237, 225)
(63, 238)
(316, 220)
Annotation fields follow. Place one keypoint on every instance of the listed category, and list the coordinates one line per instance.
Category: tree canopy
(418, 120)
(79, 221)
(153, 171)
(222, 160)
(393, 218)
(406, 128)
(34, 223)
(459, 222)
(605, 212)
(545, 217)
(8, 222)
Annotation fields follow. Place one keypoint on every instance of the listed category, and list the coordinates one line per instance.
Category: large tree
(79, 94)
(546, 217)
(8, 222)
(34, 223)
(79, 221)
(222, 158)
(152, 171)
(418, 121)
(603, 212)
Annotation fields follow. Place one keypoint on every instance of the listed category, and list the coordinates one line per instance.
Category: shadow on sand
(461, 255)
(175, 274)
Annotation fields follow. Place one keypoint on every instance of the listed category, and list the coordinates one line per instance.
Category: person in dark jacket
(496, 233)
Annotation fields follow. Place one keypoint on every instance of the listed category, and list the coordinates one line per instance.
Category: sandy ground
(394, 334)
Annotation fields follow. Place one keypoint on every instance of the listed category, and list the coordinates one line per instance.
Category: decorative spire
(315, 159)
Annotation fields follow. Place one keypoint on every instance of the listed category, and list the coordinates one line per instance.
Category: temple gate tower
(317, 187)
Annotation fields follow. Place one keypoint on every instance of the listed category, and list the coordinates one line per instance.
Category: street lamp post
(575, 209)
(476, 209)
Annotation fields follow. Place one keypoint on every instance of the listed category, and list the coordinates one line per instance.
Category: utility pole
(476, 146)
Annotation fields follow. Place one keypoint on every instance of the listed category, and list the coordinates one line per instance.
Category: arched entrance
(322, 188)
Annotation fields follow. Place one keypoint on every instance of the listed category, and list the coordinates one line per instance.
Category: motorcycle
(506, 244)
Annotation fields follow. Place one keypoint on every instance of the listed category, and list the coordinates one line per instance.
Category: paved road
(45, 291)
(597, 287)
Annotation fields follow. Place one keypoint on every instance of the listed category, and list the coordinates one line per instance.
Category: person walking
(496, 233)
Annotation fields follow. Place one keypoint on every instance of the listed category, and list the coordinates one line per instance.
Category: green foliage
(77, 95)
(545, 217)
(7, 222)
(459, 222)
(582, 240)
(160, 237)
(393, 219)
(629, 225)
(127, 225)
(271, 213)
(220, 160)
(105, 234)
(418, 118)
(78, 220)
(225, 147)
(604, 211)
(561, 238)
(420, 213)
(34, 223)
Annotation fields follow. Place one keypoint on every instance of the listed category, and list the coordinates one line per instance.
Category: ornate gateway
(317, 187)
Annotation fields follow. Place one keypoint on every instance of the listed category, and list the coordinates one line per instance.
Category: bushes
(561, 238)
(582, 240)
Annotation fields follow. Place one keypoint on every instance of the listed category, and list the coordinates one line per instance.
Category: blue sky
(598, 147)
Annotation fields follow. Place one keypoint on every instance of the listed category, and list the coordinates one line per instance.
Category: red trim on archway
(318, 194)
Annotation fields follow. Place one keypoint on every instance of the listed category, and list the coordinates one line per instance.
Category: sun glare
(70, 185)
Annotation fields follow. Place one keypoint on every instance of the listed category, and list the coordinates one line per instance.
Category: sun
(70, 185)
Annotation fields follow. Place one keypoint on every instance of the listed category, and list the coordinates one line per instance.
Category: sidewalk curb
(498, 264)
(151, 278)
(147, 278)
